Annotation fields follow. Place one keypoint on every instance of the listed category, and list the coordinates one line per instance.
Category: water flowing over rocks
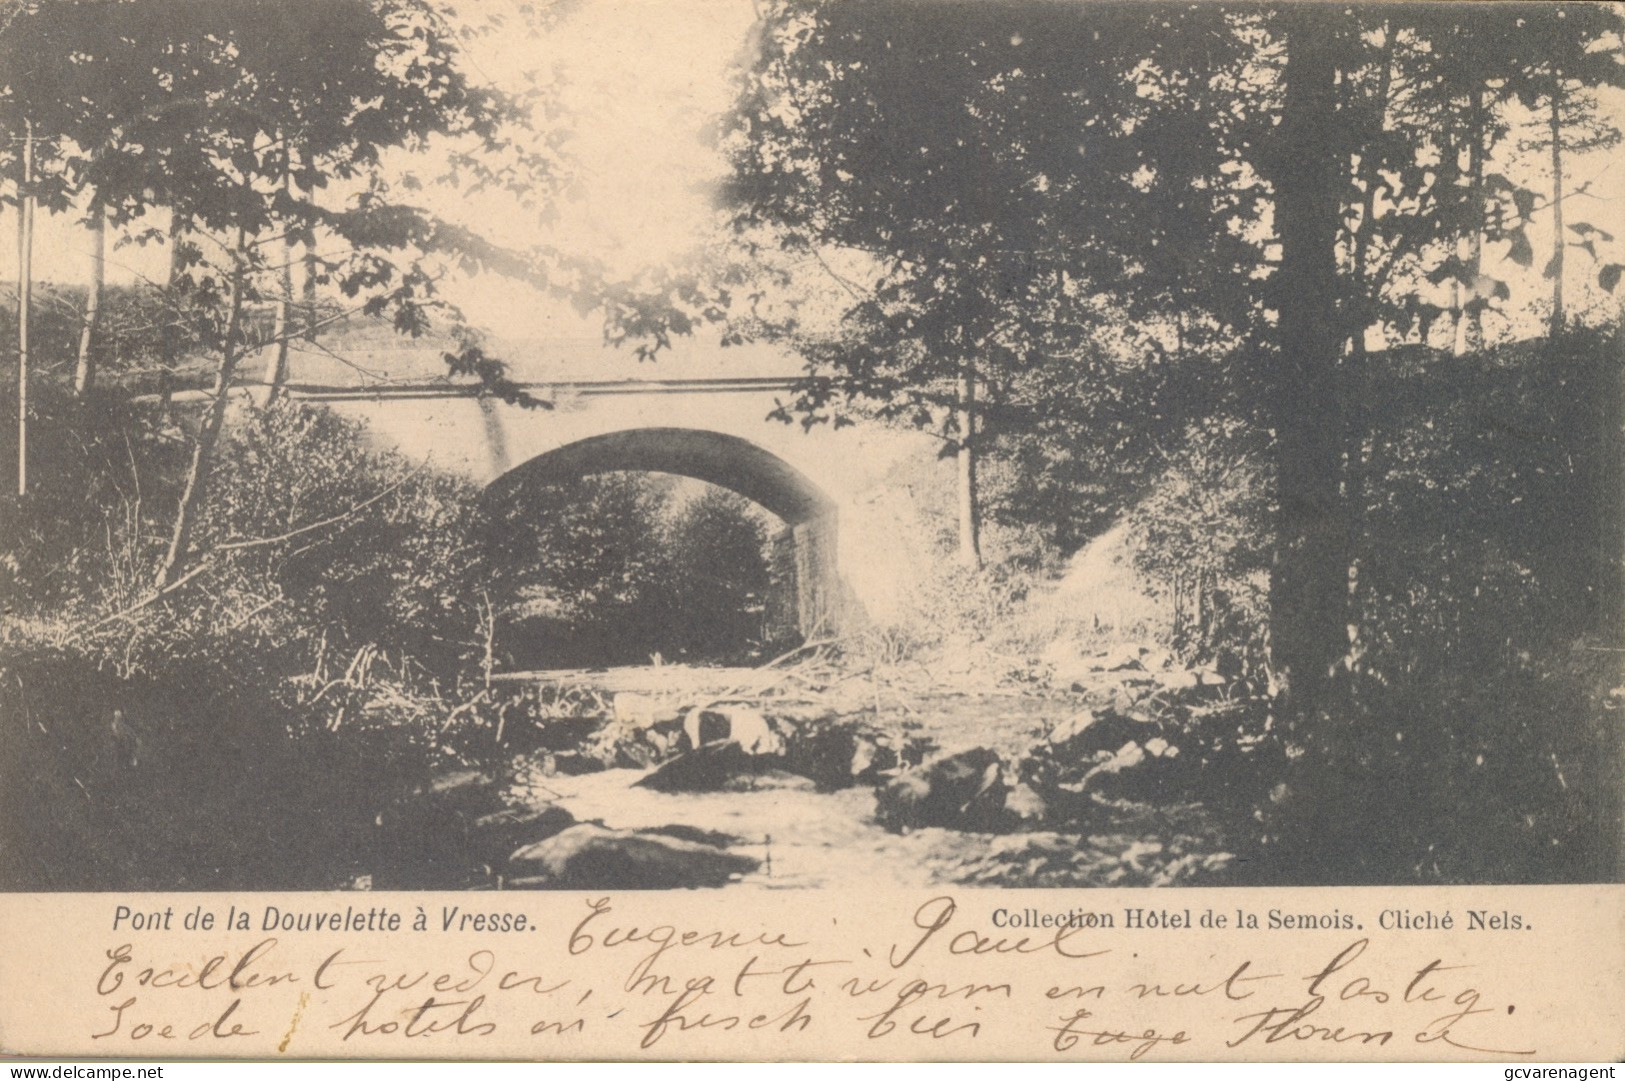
(778, 788)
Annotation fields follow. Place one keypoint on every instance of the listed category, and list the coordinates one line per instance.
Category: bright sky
(640, 82)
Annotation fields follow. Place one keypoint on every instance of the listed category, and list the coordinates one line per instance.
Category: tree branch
(258, 542)
(143, 603)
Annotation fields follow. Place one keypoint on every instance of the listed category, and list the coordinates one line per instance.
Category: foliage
(304, 535)
(618, 567)
(578, 559)
(136, 327)
(1242, 188)
(231, 117)
(80, 530)
(321, 565)
(717, 576)
(1201, 537)
(1088, 437)
(835, 149)
(383, 549)
(192, 779)
(341, 610)
(1487, 562)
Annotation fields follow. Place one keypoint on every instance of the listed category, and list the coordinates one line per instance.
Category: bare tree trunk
(173, 310)
(1470, 329)
(25, 300)
(1558, 242)
(311, 317)
(84, 372)
(282, 329)
(180, 539)
(308, 286)
(1176, 636)
(1457, 334)
(970, 543)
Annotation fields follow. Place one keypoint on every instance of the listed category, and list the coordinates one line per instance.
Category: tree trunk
(1470, 329)
(970, 543)
(1355, 385)
(84, 373)
(1558, 243)
(180, 538)
(174, 310)
(1309, 587)
(282, 329)
(308, 285)
(25, 301)
(311, 318)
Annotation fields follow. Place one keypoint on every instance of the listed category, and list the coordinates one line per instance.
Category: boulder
(1127, 756)
(1069, 729)
(1160, 748)
(460, 787)
(642, 711)
(1137, 771)
(872, 759)
(958, 791)
(714, 838)
(574, 763)
(1106, 731)
(722, 767)
(1128, 697)
(635, 754)
(1025, 804)
(707, 768)
(1179, 679)
(1124, 659)
(827, 752)
(770, 780)
(739, 724)
(492, 837)
(864, 752)
(592, 857)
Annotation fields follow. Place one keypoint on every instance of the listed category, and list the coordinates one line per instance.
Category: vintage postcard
(803, 529)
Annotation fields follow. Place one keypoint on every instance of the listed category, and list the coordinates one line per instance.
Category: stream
(771, 827)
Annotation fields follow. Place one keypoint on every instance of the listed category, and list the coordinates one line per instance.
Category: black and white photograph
(498, 445)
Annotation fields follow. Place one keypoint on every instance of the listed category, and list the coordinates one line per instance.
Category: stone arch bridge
(851, 547)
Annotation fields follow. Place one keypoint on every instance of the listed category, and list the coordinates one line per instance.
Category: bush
(87, 533)
(343, 539)
(617, 567)
(1202, 538)
(1474, 739)
(244, 729)
(717, 577)
(189, 780)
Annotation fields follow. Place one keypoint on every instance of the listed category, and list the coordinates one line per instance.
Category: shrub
(618, 566)
(244, 729)
(1201, 539)
(1473, 739)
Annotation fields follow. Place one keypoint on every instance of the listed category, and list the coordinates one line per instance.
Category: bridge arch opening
(805, 594)
(727, 461)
